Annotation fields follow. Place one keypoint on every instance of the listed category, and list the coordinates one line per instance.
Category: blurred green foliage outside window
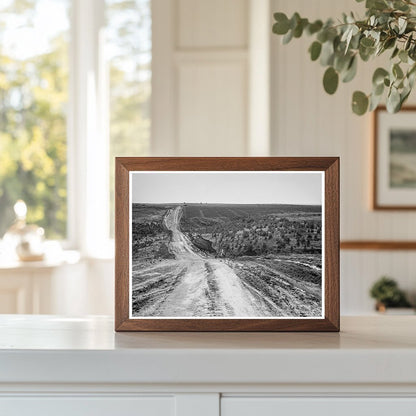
(129, 46)
(33, 99)
(34, 91)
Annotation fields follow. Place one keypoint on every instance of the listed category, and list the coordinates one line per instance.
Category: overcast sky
(227, 187)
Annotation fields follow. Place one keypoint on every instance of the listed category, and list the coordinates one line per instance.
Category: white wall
(308, 122)
(211, 90)
(203, 84)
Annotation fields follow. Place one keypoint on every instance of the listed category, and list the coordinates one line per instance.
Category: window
(129, 43)
(33, 98)
(75, 87)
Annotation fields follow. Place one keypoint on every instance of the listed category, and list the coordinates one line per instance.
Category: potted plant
(389, 27)
(387, 294)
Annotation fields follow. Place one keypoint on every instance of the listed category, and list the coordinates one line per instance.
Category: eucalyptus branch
(389, 25)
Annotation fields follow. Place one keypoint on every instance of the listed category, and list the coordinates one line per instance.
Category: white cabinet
(88, 406)
(80, 366)
(271, 406)
(203, 405)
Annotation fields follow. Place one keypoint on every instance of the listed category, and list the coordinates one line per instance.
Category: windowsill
(56, 256)
(62, 258)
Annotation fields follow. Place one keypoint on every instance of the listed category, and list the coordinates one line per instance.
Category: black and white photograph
(226, 244)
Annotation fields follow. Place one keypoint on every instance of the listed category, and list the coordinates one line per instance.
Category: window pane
(33, 100)
(129, 45)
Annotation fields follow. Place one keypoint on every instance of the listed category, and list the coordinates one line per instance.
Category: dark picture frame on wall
(227, 244)
(394, 159)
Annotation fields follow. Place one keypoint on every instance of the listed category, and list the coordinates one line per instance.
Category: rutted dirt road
(196, 285)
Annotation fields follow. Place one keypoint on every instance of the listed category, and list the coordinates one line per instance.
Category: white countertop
(46, 349)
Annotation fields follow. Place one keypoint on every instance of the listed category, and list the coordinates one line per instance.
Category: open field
(150, 238)
(236, 230)
(226, 260)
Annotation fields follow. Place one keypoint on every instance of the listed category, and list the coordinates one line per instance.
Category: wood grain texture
(376, 205)
(331, 251)
(122, 250)
(330, 165)
(378, 245)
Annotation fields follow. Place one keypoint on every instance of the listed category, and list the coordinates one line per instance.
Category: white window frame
(88, 138)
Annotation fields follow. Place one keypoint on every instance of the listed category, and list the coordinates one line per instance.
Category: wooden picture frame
(392, 177)
(131, 172)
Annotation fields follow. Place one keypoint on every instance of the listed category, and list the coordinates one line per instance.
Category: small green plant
(388, 294)
(389, 26)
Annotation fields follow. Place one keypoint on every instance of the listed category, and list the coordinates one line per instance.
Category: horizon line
(223, 203)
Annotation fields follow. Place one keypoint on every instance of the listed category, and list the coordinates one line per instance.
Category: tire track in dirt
(208, 287)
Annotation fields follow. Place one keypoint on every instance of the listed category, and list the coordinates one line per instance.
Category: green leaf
(397, 71)
(367, 42)
(322, 36)
(374, 102)
(355, 41)
(348, 35)
(332, 33)
(412, 70)
(294, 20)
(366, 48)
(395, 52)
(330, 80)
(412, 52)
(281, 27)
(403, 96)
(400, 5)
(378, 89)
(314, 27)
(351, 71)
(393, 101)
(379, 75)
(298, 30)
(336, 42)
(359, 103)
(341, 61)
(411, 76)
(403, 56)
(327, 53)
(315, 50)
(376, 4)
(408, 42)
(365, 53)
(288, 37)
(389, 43)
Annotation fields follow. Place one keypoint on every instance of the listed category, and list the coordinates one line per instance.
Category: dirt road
(196, 285)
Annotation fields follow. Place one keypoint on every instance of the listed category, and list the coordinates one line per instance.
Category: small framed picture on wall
(227, 244)
(394, 159)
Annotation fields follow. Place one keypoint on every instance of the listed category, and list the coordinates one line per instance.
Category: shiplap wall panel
(308, 122)
(359, 270)
(212, 24)
(212, 108)
(212, 83)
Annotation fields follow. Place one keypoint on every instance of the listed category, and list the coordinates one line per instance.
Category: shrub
(387, 292)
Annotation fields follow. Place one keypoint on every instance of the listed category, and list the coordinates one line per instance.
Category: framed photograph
(394, 179)
(227, 244)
